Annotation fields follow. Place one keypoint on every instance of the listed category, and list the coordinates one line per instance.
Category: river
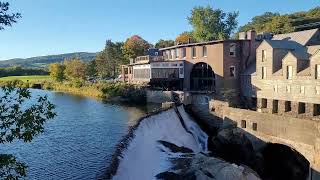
(79, 142)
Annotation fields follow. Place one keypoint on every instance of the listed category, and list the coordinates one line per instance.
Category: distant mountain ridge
(44, 61)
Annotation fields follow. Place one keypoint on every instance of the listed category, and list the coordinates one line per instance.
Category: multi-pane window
(264, 55)
(232, 50)
(183, 52)
(264, 73)
(289, 72)
(193, 52)
(317, 71)
(232, 71)
(204, 51)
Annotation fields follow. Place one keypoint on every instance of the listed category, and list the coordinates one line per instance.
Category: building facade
(286, 76)
(212, 67)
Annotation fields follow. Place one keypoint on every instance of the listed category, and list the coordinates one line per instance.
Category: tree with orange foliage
(135, 46)
(185, 38)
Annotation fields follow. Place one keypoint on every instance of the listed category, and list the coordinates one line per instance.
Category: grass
(35, 78)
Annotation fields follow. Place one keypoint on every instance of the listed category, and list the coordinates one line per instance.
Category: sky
(63, 26)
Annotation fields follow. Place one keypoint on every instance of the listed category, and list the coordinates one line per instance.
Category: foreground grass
(27, 78)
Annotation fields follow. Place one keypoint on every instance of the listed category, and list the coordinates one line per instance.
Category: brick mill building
(275, 74)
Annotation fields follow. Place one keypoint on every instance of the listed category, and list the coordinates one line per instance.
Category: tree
(20, 120)
(75, 69)
(57, 71)
(91, 69)
(209, 24)
(135, 46)
(185, 38)
(109, 60)
(164, 43)
(5, 18)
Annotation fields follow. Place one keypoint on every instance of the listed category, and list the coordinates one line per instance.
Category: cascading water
(144, 157)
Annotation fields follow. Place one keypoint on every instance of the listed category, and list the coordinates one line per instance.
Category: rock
(174, 148)
(203, 167)
(232, 145)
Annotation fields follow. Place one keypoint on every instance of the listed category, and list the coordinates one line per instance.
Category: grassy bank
(26, 78)
(109, 91)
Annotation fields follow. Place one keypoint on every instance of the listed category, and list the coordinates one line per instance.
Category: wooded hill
(44, 61)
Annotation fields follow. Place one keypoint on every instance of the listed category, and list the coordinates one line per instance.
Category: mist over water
(79, 142)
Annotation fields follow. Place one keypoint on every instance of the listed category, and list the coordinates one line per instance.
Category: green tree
(91, 69)
(164, 43)
(57, 71)
(20, 120)
(7, 19)
(185, 38)
(209, 24)
(109, 60)
(135, 46)
(258, 23)
(75, 69)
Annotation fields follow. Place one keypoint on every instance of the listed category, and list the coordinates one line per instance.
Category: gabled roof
(282, 44)
(301, 37)
(305, 72)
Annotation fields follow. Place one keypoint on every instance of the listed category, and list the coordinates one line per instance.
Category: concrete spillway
(144, 157)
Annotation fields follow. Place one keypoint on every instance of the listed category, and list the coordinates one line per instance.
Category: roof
(305, 72)
(299, 54)
(301, 37)
(278, 73)
(202, 43)
(282, 44)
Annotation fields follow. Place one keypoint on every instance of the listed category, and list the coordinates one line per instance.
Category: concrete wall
(300, 134)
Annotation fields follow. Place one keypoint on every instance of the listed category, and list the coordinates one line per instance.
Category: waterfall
(144, 157)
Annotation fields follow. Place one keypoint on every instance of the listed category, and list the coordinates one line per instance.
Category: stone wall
(300, 134)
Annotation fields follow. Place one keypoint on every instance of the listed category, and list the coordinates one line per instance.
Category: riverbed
(79, 142)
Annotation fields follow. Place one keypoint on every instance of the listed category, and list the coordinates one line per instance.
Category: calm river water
(79, 142)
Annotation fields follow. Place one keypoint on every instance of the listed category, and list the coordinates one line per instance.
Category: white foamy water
(143, 158)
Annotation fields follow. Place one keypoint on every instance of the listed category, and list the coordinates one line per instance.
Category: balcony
(146, 59)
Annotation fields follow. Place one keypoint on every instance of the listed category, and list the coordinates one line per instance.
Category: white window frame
(317, 71)
(264, 55)
(264, 72)
(302, 89)
(289, 72)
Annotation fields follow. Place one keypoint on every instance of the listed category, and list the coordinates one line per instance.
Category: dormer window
(183, 52)
(232, 50)
(264, 55)
(264, 73)
(289, 72)
(177, 53)
(317, 71)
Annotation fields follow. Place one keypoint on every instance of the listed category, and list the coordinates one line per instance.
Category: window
(316, 109)
(169, 54)
(289, 72)
(264, 55)
(264, 103)
(243, 124)
(193, 52)
(183, 52)
(156, 53)
(318, 90)
(254, 126)
(264, 72)
(181, 70)
(301, 108)
(177, 53)
(302, 89)
(317, 71)
(275, 106)
(232, 50)
(204, 51)
(275, 88)
(173, 54)
(232, 71)
(287, 106)
(288, 89)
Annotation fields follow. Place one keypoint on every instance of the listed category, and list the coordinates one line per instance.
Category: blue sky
(63, 26)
